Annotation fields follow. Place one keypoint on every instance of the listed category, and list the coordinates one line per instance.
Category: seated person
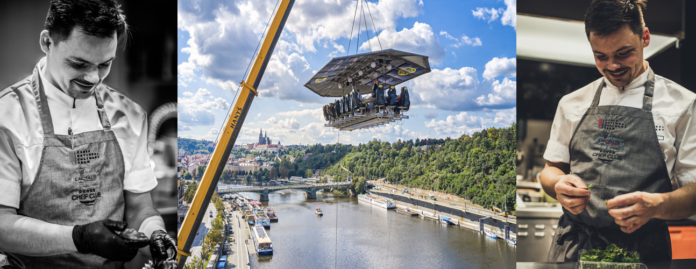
(404, 101)
(332, 111)
(391, 96)
(379, 97)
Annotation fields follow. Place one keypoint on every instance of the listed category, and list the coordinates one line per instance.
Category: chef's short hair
(100, 18)
(604, 17)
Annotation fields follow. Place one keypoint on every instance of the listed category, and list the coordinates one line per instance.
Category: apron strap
(649, 91)
(102, 113)
(598, 92)
(44, 111)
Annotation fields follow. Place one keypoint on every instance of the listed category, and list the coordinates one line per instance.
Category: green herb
(605, 202)
(611, 254)
(590, 186)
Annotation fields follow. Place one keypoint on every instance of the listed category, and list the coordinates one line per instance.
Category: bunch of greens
(611, 254)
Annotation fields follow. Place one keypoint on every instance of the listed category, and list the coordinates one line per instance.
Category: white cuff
(557, 152)
(140, 181)
(151, 225)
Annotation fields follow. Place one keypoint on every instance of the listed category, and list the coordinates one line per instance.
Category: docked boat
(406, 211)
(383, 203)
(318, 212)
(446, 220)
(261, 240)
(264, 221)
(491, 234)
(271, 215)
(511, 241)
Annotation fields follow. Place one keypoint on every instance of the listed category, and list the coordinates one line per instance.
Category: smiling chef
(621, 158)
(75, 170)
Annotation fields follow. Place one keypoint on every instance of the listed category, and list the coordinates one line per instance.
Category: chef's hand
(163, 249)
(572, 193)
(633, 210)
(99, 238)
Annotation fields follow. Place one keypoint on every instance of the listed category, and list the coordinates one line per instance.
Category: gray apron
(80, 180)
(615, 148)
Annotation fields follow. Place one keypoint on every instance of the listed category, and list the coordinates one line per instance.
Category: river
(359, 235)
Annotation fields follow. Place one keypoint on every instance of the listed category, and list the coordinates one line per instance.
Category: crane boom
(247, 89)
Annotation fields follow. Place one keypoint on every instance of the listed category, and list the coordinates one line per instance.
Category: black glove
(162, 248)
(99, 238)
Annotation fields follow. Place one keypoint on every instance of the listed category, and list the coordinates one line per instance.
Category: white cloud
(447, 89)
(509, 13)
(503, 93)
(419, 39)
(315, 20)
(448, 36)
(489, 14)
(501, 67)
(316, 113)
(430, 114)
(285, 76)
(197, 109)
(468, 123)
(465, 40)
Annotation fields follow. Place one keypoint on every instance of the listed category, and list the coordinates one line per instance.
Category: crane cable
(362, 3)
(374, 26)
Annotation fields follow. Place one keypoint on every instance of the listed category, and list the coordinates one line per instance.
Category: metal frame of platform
(366, 119)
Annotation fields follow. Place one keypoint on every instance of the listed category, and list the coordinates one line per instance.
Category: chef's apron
(79, 181)
(615, 149)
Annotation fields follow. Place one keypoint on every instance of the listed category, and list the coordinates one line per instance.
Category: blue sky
(471, 45)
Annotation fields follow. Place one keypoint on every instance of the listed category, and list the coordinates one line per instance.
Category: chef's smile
(83, 85)
(617, 74)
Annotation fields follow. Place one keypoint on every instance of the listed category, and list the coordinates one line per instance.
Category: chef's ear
(45, 41)
(646, 37)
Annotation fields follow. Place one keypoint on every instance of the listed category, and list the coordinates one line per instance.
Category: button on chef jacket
(673, 113)
(21, 135)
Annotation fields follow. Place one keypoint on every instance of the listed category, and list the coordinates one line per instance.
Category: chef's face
(80, 62)
(619, 55)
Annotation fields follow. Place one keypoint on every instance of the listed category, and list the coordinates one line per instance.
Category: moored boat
(261, 240)
(491, 234)
(383, 203)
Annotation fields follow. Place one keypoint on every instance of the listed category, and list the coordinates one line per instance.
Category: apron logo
(659, 128)
(87, 192)
(609, 154)
(609, 142)
(85, 156)
(610, 124)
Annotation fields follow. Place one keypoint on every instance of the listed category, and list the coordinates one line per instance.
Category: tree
(190, 192)
(226, 175)
(308, 174)
(195, 263)
(201, 170)
(187, 175)
(273, 174)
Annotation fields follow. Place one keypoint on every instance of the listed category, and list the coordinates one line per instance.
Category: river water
(354, 234)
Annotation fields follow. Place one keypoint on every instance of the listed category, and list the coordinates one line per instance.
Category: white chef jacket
(673, 112)
(21, 135)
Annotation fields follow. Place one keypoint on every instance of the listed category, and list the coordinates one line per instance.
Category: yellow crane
(247, 92)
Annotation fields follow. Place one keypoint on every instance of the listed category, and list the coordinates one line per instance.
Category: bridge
(310, 189)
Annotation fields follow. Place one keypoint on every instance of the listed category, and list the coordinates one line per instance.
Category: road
(206, 225)
(459, 203)
(238, 257)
